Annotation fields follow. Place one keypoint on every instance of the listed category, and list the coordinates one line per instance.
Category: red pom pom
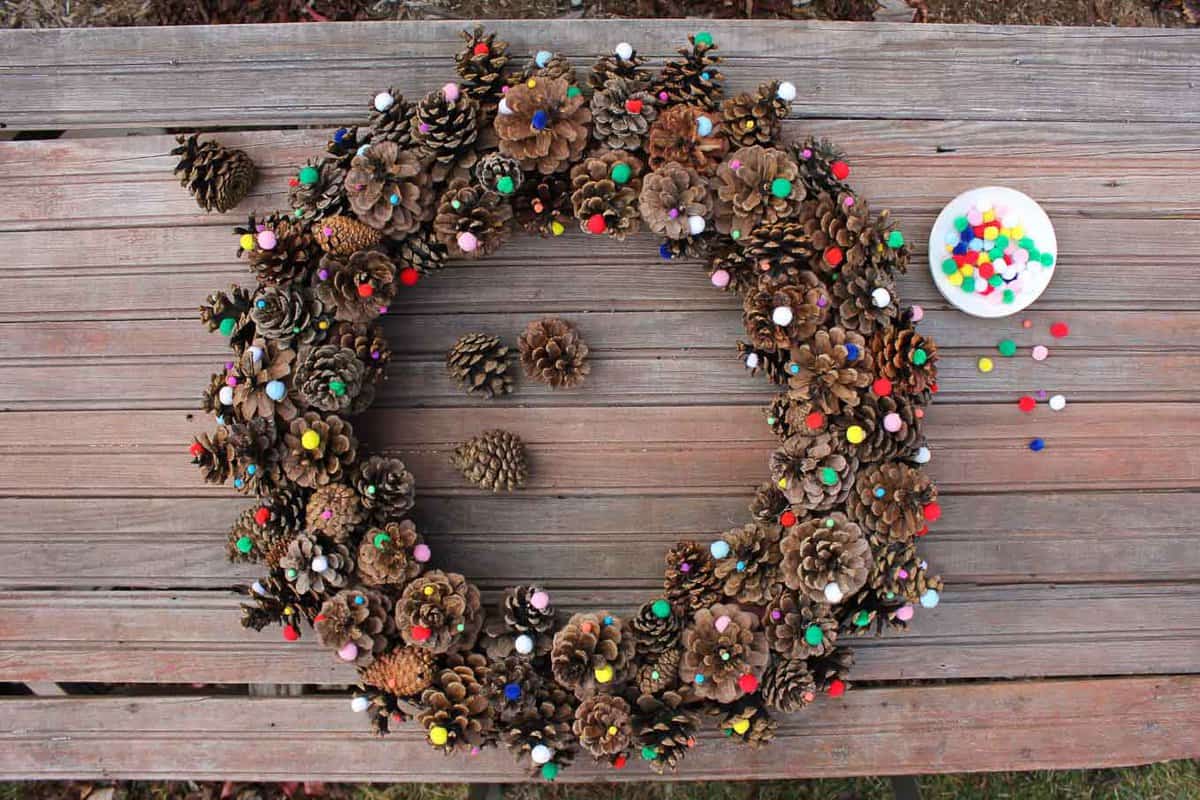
(419, 633)
(633, 106)
(933, 512)
(814, 421)
(882, 387)
(196, 449)
(365, 290)
(837, 688)
(262, 515)
(293, 182)
(409, 276)
(1059, 330)
(620, 761)
(319, 618)
(747, 683)
(924, 530)
(596, 224)
(840, 170)
(1027, 404)
(834, 256)
(481, 49)
(787, 519)
(933, 387)
(290, 633)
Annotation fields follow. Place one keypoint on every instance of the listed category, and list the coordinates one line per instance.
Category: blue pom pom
(540, 120)
(719, 548)
(704, 126)
(250, 470)
(512, 691)
(543, 57)
(1037, 445)
(339, 135)
(664, 250)
(852, 352)
(276, 390)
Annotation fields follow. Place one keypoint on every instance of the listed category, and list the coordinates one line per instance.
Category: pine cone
(797, 627)
(391, 119)
(866, 300)
(498, 173)
(316, 191)
(751, 119)
(750, 572)
(343, 144)
(547, 125)
(889, 501)
(768, 502)
(788, 685)
(775, 364)
(833, 367)
(259, 375)
(548, 723)
(553, 353)
(780, 252)
(899, 577)
(756, 185)
(690, 580)
(830, 671)
(331, 379)
(344, 236)
(215, 400)
(368, 343)
(657, 627)
(470, 222)
(357, 288)
(444, 130)
(908, 360)
(457, 705)
(814, 472)
(357, 624)
(293, 254)
(826, 562)
(659, 674)
(665, 728)
(724, 653)
(693, 79)
(613, 65)
(789, 417)
(387, 556)
(593, 653)
(675, 136)
(257, 456)
(316, 565)
(823, 167)
(478, 363)
(320, 449)
(404, 671)
(513, 687)
(622, 112)
(385, 488)
(481, 65)
(286, 314)
(748, 723)
(390, 189)
(214, 453)
(556, 66)
(603, 726)
(217, 177)
(698, 248)
(524, 626)
(494, 460)
(889, 252)
(604, 193)
(284, 509)
(730, 269)
(248, 541)
(219, 307)
(543, 206)
(419, 251)
(671, 197)
(890, 428)
(440, 612)
(839, 228)
(780, 316)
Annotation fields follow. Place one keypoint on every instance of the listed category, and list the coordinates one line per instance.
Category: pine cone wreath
(470, 222)
(478, 363)
(826, 558)
(391, 555)
(823, 167)
(660, 673)
(839, 228)
(622, 113)
(458, 714)
(440, 611)
(319, 449)
(623, 62)
(391, 119)
(217, 177)
(494, 460)
(341, 235)
(675, 202)
(316, 565)
(830, 370)
(749, 568)
(603, 726)
(787, 685)
(215, 455)
(419, 253)
(755, 119)
(316, 192)
(356, 624)
(756, 185)
(334, 511)
(724, 653)
(814, 472)
(402, 671)
(779, 316)
(259, 382)
(690, 579)
(286, 314)
(604, 193)
(779, 252)
(881, 428)
(331, 379)
(282, 253)
(481, 65)
(445, 125)
(593, 653)
(499, 173)
(553, 353)
(386, 489)
(356, 289)
(748, 723)
(694, 79)
(907, 360)
(543, 206)
(546, 126)
(797, 627)
(525, 625)
(221, 311)
(656, 627)
(690, 136)
(390, 189)
(665, 729)
(892, 501)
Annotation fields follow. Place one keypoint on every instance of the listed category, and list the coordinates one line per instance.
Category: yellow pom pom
(311, 440)
(247, 241)
(967, 270)
(557, 228)
(955, 279)
(783, 483)
(612, 730)
(438, 735)
(741, 726)
(531, 83)
(855, 434)
(603, 674)
(428, 590)
(986, 365)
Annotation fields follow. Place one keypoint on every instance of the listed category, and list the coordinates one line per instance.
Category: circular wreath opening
(755, 620)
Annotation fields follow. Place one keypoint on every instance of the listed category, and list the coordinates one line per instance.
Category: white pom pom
(881, 297)
(258, 588)
(624, 51)
(256, 353)
(226, 395)
(384, 101)
(923, 455)
(543, 57)
(320, 564)
(696, 224)
(782, 316)
(502, 106)
(359, 704)
(752, 361)
(833, 592)
(1058, 402)
(524, 644)
(541, 754)
(786, 91)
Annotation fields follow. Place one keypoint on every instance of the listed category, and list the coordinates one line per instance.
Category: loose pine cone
(797, 627)
(622, 112)
(823, 167)
(750, 571)
(604, 193)
(524, 626)
(344, 236)
(690, 579)
(498, 173)
(755, 119)
(420, 252)
(319, 450)
(494, 460)
(659, 674)
(331, 379)
(219, 178)
(890, 428)
(457, 706)
(316, 565)
(388, 555)
(780, 252)
(814, 472)
(839, 228)
(385, 487)
(215, 454)
(788, 685)
(470, 222)
(724, 653)
(593, 653)
(553, 353)
(826, 558)
(358, 288)
(292, 256)
(672, 196)
(547, 126)
(832, 369)
(445, 125)
(657, 627)
(665, 728)
(334, 510)
(357, 624)
(676, 137)
(603, 726)
(316, 191)
(780, 316)
(908, 360)
(481, 65)
(479, 364)
(890, 499)
(391, 118)
(543, 206)
(286, 314)
(748, 723)
(440, 612)
(756, 185)
(389, 189)
(404, 671)
(260, 375)
(693, 79)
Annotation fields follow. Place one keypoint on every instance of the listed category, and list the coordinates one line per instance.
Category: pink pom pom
(467, 242)
(918, 313)
(904, 613)
(720, 279)
(421, 553)
(450, 91)
(722, 623)
(539, 600)
(892, 422)
(267, 240)
(349, 652)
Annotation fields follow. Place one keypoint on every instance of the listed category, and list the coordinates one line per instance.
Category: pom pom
(543, 57)
(721, 623)
(603, 673)
(450, 92)
(311, 440)
(747, 683)
(596, 224)
(263, 515)
(840, 170)
(540, 600)
(540, 120)
(349, 652)
(384, 101)
(881, 297)
(320, 564)
(719, 548)
(291, 634)
(502, 107)
(930, 598)
(359, 704)
(923, 455)
(833, 593)
(696, 224)
(467, 242)
(837, 687)
(624, 51)
(704, 126)
(421, 553)
(541, 754)
(782, 316)
(409, 276)
(438, 735)
(276, 390)
(720, 278)
(267, 240)
(419, 633)
(786, 91)
(523, 644)
(225, 395)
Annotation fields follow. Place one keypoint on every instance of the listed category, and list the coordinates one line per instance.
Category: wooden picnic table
(1069, 633)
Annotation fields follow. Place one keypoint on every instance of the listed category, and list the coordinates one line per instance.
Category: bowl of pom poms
(992, 251)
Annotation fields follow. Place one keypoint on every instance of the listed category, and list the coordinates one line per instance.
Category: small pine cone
(548, 723)
(344, 236)
(908, 360)
(386, 489)
(659, 674)
(293, 257)
(833, 368)
(404, 671)
(776, 364)
(797, 627)
(494, 460)
(481, 65)
(390, 189)
(219, 178)
(724, 653)
(316, 565)
(543, 205)
(671, 197)
(814, 472)
(614, 66)
(316, 192)
(548, 127)
(553, 353)
(604, 193)
(750, 119)
(750, 571)
(342, 145)
(788, 685)
(252, 376)
(779, 316)
(368, 343)
(665, 727)
(513, 687)
(761, 728)
(826, 562)
(556, 66)
(215, 454)
(779, 252)
(890, 499)
(788, 417)
(357, 624)
(525, 624)
(387, 555)
(357, 288)
(756, 185)
(457, 704)
(221, 306)
(334, 510)
(690, 580)
(286, 314)
(866, 300)
(470, 222)
(657, 627)
(899, 572)
(622, 113)
(479, 364)
(603, 726)
(214, 400)
(890, 425)
(889, 252)
(440, 612)
(248, 541)
(331, 379)
(498, 173)
(444, 131)
(699, 248)
(693, 79)
(419, 251)
(823, 167)
(390, 119)
(257, 456)
(831, 670)
(593, 653)
(675, 137)
(731, 270)
(319, 449)
(768, 503)
(840, 231)
(283, 509)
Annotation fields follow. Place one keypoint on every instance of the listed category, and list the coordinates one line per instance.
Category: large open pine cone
(750, 571)
(440, 611)
(604, 193)
(690, 579)
(675, 136)
(358, 288)
(387, 556)
(724, 653)
(385, 488)
(331, 379)
(471, 222)
(839, 228)
(493, 460)
(671, 196)
(622, 113)
(444, 129)
(889, 500)
(693, 79)
(215, 454)
(826, 558)
(756, 185)
(747, 722)
(258, 455)
(780, 316)
(216, 176)
(907, 359)
(814, 472)
(866, 299)
(547, 126)
(389, 189)
(334, 510)
(797, 627)
(402, 671)
(253, 374)
(665, 727)
(553, 353)
(613, 65)
(603, 726)
(788, 685)
(757, 118)
(890, 427)
(831, 370)
(357, 624)
(319, 449)
(593, 653)
(479, 364)
(458, 705)
(287, 314)
(543, 205)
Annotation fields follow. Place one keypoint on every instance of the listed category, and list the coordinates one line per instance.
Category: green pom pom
(704, 37)
(550, 770)
(505, 185)
(661, 609)
(309, 175)
(337, 387)
(862, 619)
(227, 326)
(919, 356)
(649, 753)
(813, 635)
(781, 187)
(621, 172)
(574, 91)
(895, 239)
(244, 545)
(828, 476)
